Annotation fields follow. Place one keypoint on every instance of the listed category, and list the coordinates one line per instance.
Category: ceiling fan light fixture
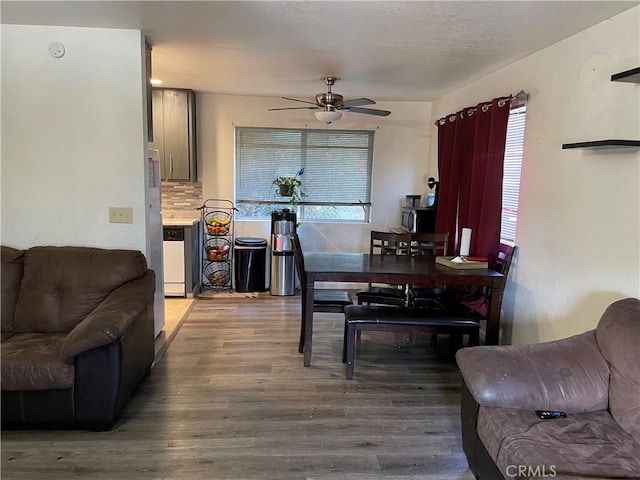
(331, 105)
(329, 116)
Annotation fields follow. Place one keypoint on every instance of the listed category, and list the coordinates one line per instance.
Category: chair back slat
(389, 243)
(431, 244)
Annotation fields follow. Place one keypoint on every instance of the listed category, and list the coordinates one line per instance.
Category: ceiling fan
(331, 105)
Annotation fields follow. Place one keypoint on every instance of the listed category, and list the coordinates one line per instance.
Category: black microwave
(416, 219)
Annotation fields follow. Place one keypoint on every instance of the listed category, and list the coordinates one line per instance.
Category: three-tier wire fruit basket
(217, 243)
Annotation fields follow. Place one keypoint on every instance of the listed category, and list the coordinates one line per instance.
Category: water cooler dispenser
(283, 265)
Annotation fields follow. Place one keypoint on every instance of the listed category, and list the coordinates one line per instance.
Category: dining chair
(386, 243)
(329, 301)
(475, 301)
(429, 244)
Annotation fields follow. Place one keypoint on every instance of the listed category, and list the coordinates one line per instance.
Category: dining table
(394, 269)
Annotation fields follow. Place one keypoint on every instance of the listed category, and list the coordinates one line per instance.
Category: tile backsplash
(180, 199)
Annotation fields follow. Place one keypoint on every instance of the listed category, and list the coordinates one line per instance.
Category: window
(337, 172)
(511, 177)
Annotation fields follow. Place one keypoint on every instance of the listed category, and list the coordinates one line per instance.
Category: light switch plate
(120, 215)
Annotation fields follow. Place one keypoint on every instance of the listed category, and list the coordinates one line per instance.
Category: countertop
(179, 222)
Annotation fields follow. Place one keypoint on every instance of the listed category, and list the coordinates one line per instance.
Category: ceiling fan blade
(368, 111)
(293, 108)
(296, 100)
(357, 102)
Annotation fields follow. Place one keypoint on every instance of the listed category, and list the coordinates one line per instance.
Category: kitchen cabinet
(174, 133)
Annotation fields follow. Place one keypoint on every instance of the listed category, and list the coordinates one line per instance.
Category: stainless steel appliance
(416, 219)
(283, 273)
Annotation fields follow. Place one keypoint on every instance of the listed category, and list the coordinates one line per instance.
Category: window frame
(331, 178)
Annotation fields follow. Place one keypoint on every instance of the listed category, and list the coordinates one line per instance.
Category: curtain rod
(518, 99)
(521, 97)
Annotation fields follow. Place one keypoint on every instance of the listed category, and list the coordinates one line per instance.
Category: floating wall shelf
(602, 144)
(629, 76)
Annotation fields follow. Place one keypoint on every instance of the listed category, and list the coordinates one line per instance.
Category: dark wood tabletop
(365, 268)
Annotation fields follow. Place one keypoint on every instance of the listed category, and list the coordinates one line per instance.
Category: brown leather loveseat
(593, 377)
(77, 335)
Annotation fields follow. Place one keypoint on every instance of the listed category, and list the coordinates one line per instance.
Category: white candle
(465, 242)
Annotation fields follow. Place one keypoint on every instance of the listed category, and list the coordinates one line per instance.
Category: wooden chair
(430, 244)
(331, 301)
(475, 302)
(477, 299)
(386, 243)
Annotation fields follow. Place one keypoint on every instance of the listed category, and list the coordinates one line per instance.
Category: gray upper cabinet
(174, 134)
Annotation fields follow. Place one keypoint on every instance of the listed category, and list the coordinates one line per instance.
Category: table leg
(303, 312)
(492, 336)
(308, 322)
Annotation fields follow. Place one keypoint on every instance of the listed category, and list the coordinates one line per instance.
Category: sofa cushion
(584, 444)
(11, 275)
(618, 336)
(568, 374)
(62, 285)
(31, 361)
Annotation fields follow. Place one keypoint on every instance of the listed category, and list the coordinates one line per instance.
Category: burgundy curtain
(471, 147)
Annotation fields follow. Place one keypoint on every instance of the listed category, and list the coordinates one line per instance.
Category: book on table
(463, 262)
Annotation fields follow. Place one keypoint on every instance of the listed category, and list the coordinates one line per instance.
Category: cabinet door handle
(171, 163)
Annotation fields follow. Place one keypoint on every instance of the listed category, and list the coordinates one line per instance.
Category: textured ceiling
(416, 50)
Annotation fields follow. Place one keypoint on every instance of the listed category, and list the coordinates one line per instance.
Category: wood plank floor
(230, 399)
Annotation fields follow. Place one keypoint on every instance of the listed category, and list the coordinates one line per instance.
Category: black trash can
(250, 257)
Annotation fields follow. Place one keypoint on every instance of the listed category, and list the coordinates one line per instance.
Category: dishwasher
(174, 267)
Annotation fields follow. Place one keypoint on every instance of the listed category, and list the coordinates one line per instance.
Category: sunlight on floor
(175, 311)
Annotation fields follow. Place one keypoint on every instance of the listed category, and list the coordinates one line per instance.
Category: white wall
(73, 137)
(579, 220)
(73, 144)
(400, 160)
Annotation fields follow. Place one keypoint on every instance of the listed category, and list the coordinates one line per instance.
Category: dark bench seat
(405, 320)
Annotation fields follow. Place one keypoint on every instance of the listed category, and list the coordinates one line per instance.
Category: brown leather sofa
(593, 377)
(77, 335)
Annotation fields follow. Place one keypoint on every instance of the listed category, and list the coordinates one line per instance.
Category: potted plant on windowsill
(290, 187)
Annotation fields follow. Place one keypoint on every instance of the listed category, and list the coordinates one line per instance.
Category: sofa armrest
(568, 374)
(111, 319)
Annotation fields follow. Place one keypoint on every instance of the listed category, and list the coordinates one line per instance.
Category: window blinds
(511, 177)
(337, 164)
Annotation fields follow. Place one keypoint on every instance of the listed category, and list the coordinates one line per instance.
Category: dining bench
(405, 320)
